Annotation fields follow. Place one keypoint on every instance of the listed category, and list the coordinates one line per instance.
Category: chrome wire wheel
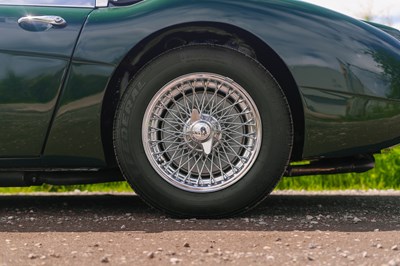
(202, 132)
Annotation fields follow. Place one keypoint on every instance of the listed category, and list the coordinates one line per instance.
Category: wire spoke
(174, 133)
(179, 105)
(171, 111)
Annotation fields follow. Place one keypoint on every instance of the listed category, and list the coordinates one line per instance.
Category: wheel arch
(197, 33)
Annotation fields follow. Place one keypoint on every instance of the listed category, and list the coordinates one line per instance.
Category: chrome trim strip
(48, 5)
(56, 3)
(101, 3)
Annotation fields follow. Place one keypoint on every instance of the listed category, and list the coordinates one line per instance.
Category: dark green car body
(60, 87)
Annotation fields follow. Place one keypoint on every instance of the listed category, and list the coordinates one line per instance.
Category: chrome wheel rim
(202, 132)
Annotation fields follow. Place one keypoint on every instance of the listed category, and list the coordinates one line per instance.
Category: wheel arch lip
(301, 34)
(265, 55)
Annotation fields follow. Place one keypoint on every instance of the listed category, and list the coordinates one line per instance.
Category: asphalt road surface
(351, 228)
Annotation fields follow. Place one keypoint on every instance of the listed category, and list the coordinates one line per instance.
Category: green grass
(386, 175)
(106, 187)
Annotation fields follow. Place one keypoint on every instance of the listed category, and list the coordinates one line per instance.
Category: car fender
(346, 70)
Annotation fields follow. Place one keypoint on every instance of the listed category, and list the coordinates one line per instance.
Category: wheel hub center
(201, 131)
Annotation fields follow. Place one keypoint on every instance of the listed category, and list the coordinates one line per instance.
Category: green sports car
(202, 106)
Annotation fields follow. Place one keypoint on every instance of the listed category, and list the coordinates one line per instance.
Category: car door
(37, 40)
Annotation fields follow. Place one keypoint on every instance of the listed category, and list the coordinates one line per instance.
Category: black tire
(274, 151)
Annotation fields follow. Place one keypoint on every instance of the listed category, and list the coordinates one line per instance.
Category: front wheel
(203, 131)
